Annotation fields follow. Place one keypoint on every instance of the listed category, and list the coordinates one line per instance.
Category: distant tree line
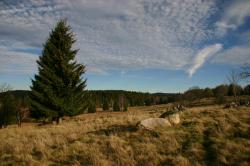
(14, 106)
(106, 98)
(217, 92)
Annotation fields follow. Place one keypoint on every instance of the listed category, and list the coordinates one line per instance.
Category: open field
(208, 135)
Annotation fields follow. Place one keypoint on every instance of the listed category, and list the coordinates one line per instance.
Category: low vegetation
(208, 135)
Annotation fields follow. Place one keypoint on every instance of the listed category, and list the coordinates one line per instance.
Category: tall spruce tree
(58, 89)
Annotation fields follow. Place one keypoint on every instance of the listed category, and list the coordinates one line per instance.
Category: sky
(139, 45)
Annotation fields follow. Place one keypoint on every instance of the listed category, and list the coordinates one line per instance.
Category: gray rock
(154, 123)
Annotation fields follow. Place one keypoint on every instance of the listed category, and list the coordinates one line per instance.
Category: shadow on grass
(115, 129)
(210, 155)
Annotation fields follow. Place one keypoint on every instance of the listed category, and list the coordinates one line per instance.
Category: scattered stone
(173, 116)
(247, 103)
(231, 105)
(173, 110)
(180, 107)
(154, 123)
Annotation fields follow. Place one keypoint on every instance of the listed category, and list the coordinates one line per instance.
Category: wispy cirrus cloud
(117, 34)
(202, 56)
(234, 15)
(13, 62)
(238, 55)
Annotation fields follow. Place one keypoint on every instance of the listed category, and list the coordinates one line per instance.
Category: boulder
(174, 118)
(154, 123)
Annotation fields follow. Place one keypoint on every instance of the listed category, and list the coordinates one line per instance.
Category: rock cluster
(173, 110)
(231, 105)
(167, 119)
(237, 104)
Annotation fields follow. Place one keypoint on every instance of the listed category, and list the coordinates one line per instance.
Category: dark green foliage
(132, 98)
(105, 105)
(58, 90)
(91, 107)
(125, 107)
(149, 101)
(116, 106)
(8, 110)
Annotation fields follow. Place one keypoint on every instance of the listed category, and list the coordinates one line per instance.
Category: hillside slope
(207, 135)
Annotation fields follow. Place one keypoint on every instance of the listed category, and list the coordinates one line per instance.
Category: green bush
(8, 110)
(91, 108)
(116, 106)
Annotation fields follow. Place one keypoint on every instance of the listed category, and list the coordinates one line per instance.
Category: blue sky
(141, 45)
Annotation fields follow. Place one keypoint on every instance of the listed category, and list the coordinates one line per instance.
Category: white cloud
(114, 34)
(12, 62)
(201, 57)
(234, 15)
(235, 55)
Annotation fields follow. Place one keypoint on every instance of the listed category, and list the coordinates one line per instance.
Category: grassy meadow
(207, 135)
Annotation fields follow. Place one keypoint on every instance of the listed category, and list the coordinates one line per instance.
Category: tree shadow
(115, 129)
(210, 152)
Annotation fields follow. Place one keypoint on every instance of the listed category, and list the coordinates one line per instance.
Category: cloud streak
(202, 56)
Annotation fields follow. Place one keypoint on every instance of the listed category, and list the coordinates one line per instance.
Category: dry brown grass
(206, 136)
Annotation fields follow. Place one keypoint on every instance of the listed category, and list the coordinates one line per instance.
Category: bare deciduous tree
(245, 73)
(22, 110)
(234, 79)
